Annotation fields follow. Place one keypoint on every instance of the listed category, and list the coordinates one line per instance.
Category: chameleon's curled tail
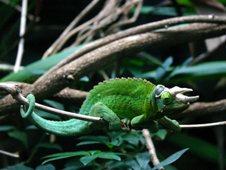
(72, 127)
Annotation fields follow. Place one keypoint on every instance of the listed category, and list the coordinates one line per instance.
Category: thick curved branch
(67, 95)
(138, 30)
(70, 95)
(205, 108)
(96, 59)
(103, 55)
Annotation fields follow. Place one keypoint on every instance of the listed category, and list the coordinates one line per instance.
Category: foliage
(114, 150)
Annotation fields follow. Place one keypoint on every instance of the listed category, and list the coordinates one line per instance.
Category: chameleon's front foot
(170, 124)
(101, 110)
(126, 124)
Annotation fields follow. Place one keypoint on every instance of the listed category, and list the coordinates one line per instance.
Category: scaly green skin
(121, 102)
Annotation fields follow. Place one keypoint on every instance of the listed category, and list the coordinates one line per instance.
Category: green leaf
(185, 2)
(207, 70)
(160, 134)
(101, 139)
(87, 159)
(204, 150)
(87, 143)
(45, 167)
(169, 11)
(5, 128)
(214, 69)
(98, 154)
(20, 166)
(133, 164)
(63, 155)
(143, 160)
(48, 115)
(73, 164)
(153, 60)
(133, 138)
(50, 146)
(170, 159)
(35, 69)
(109, 155)
(161, 71)
(19, 135)
(54, 104)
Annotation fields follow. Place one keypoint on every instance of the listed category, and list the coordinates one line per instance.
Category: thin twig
(22, 32)
(14, 155)
(104, 74)
(15, 92)
(109, 16)
(203, 125)
(126, 20)
(91, 26)
(7, 67)
(151, 148)
(84, 12)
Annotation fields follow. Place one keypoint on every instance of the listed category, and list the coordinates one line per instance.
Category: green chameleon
(123, 103)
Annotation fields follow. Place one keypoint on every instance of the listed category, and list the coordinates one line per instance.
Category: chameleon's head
(170, 100)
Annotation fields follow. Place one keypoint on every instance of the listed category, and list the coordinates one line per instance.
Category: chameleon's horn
(178, 90)
(186, 99)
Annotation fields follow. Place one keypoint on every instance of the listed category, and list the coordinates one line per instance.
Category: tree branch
(70, 95)
(67, 95)
(151, 148)
(15, 92)
(203, 125)
(205, 108)
(138, 30)
(52, 83)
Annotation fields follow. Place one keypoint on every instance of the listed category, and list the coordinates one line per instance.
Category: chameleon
(129, 103)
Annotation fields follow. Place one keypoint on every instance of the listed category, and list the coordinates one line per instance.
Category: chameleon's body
(134, 102)
(128, 98)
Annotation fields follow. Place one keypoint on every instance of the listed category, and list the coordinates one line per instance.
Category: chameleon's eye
(159, 90)
(166, 97)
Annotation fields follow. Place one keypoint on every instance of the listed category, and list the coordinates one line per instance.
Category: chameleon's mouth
(178, 92)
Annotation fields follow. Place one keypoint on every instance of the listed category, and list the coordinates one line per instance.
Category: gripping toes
(101, 110)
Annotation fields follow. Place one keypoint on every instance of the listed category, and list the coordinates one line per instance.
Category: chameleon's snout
(178, 92)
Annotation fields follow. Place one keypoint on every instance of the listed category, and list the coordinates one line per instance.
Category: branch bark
(151, 148)
(94, 60)
(138, 30)
(205, 108)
